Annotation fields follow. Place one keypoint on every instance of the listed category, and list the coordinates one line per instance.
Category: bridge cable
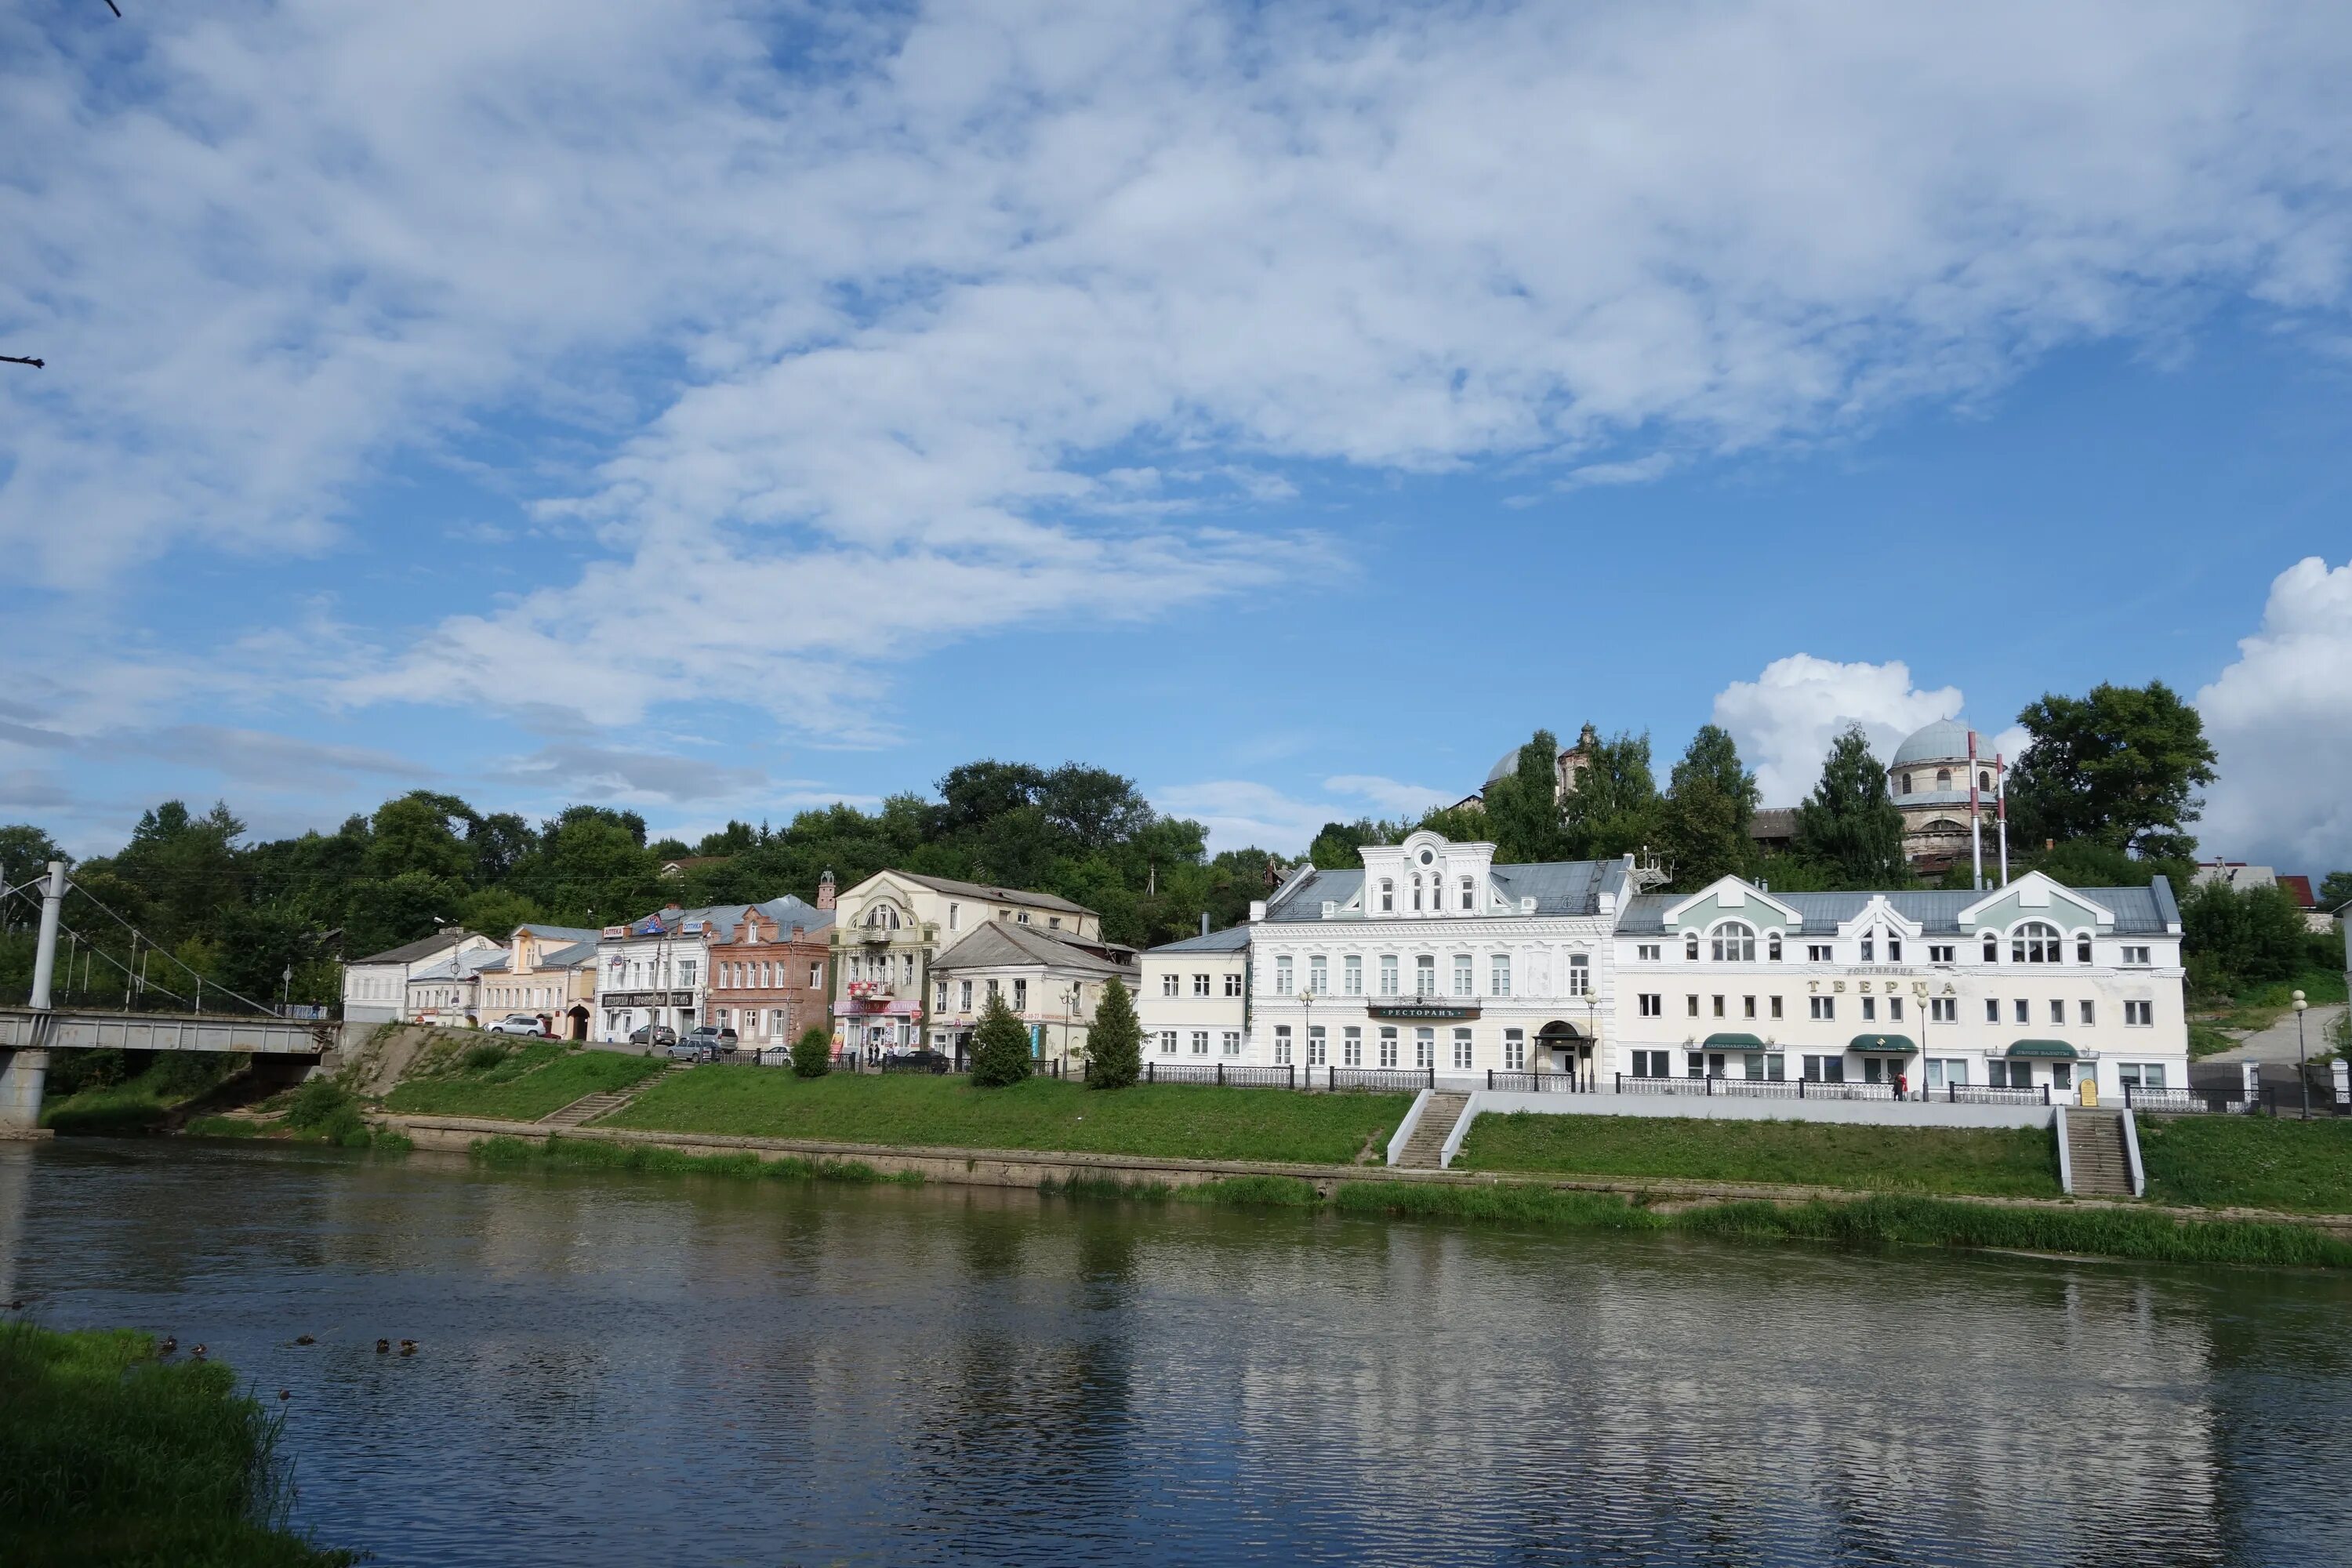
(154, 946)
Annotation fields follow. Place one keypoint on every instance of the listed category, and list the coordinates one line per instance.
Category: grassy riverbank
(582, 1154)
(2249, 1162)
(107, 1103)
(908, 1110)
(108, 1456)
(517, 1081)
(1985, 1162)
(1874, 1222)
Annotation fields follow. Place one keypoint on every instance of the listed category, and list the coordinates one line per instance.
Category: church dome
(1945, 741)
(1508, 763)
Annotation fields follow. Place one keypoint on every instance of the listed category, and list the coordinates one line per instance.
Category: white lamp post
(2302, 1055)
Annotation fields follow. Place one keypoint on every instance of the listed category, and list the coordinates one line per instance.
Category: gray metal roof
(2138, 911)
(1233, 939)
(561, 933)
(1558, 886)
(985, 891)
(1945, 741)
(1000, 942)
(425, 947)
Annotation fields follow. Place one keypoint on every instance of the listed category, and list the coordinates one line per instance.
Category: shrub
(999, 1048)
(324, 1108)
(1114, 1041)
(813, 1052)
(481, 1059)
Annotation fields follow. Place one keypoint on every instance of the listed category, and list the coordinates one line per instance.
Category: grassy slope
(524, 1085)
(106, 1457)
(2023, 1163)
(1185, 1121)
(136, 1103)
(2302, 1166)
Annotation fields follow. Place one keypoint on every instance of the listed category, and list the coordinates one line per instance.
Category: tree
(813, 1052)
(1000, 1046)
(1709, 806)
(1523, 807)
(2232, 938)
(2121, 767)
(1334, 849)
(420, 831)
(496, 911)
(733, 840)
(1614, 808)
(2335, 891)
(1849, 825)
(1093, 808)
(1114, 1041)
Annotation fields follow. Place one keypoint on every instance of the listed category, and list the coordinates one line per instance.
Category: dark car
(710, 1042)
(916, 1061)
(654, 1034)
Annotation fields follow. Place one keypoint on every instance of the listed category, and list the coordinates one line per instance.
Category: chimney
(1204, 922)
(824, 890)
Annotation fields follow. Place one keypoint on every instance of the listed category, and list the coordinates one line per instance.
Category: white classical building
(1433, 959)
(1193, 998)
(375, 988)
(2031, 987)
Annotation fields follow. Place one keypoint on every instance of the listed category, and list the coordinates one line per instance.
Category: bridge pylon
(25, 1072)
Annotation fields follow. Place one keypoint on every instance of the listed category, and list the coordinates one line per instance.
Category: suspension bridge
(28, 1034)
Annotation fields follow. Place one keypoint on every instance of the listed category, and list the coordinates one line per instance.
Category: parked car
(689, 1049)
(773, 1055)
(519, 1024)
(916, 1061)
(654, 1034)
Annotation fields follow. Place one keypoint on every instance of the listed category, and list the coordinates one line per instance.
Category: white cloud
(1239, 812)
(2280, 718)
(1394, 799)
(860, 333)
(1785, 719)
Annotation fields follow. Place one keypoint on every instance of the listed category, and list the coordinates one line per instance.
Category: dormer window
(1992, 948)
(1734, 942)
(2035, 943)
(1772, 947)
(1690, 947)
(1870, 947)
(1416, 894)
(1388, 897)
(1469, 896)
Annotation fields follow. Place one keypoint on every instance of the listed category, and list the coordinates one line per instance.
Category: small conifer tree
(813, 1052)
(1114, 1041)
(1000, 1046)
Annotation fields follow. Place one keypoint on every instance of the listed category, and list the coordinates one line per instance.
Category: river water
(633, 1370)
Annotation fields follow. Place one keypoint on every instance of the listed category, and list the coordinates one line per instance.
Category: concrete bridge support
(25, 1072)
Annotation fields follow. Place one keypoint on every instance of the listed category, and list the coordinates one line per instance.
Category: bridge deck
(82, 1029)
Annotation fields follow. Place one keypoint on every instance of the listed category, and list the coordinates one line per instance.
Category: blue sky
(1289, 411)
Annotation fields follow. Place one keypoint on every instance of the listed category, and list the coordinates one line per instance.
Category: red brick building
(767, 975)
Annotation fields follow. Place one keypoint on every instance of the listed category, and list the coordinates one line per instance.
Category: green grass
(1988, 1161)
(1160, 1120)
(2204, 1039)
(2260, 1007)
(224, 1127)
(107, 1455)
(519, 1085)
(2251, 1161)
(136, 1104)
(593, 1154)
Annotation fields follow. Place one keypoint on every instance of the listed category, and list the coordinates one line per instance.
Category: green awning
(1734, 1043)
(2058, 1050)
(1883, 1045)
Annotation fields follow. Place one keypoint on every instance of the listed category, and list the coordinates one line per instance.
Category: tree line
(244, 913)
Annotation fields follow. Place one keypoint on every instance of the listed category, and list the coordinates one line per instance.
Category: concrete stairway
(589, 1107)
(1423, 1150)
(2095, 1153)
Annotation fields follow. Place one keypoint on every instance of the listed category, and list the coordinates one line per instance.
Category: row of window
(1830, 1067)
(1388, 1042)
(641, 973)
(1432, 890)
(1232, 1042)
(1734, 941)
(1424, 975)
(765, 975)
(1940, 1009)
(1072, 998)
(771, 1022)
(1172, 984)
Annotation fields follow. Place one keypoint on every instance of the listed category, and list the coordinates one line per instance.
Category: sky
(723, 409)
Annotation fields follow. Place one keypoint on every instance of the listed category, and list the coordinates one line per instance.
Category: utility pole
(45, 956)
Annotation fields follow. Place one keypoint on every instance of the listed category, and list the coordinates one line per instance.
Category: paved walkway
(2277, 1042)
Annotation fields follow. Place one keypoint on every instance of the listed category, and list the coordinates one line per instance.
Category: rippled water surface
(646, 1370)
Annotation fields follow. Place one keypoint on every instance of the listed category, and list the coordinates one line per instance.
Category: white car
(518, 1023)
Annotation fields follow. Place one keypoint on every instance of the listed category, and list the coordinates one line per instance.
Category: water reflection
(623, 1370)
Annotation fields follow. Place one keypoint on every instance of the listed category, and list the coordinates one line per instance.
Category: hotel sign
(647, 999)
(1438, 1012)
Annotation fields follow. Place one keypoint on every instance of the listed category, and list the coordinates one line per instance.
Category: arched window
(1991, 948)
(2083, 950)
(1984, 780)
(1734, 942)
(2035, 941)
(1416, 892)
(1388, 897)
(1469, 896)
(1772, 949)
(1690, 947)
(1943, 778)
(884, 918)
(1907, 784)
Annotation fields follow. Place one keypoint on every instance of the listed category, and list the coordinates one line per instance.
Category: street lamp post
(1306, 1000)
(2302, 1055)
(286, 991)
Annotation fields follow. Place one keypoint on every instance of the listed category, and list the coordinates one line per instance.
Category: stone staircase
(1423, 1150)
(589, 1107)
(2095, 1153)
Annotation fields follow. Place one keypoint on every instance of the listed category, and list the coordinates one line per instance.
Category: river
(646, 1370)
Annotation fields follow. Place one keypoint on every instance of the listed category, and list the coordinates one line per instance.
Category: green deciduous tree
(2121, 767)
(1114, 1041)
(1849, 826)
(1614, 808)
(1709, 806)
(1000, 1046)
(2335, 891)
(1523, 807)
(2235, 937)
(813, 1052)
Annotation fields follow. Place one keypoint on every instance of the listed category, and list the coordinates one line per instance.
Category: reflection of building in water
(1774, 1407)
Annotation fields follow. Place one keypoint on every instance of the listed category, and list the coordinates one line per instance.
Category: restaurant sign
(1448, 1012)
